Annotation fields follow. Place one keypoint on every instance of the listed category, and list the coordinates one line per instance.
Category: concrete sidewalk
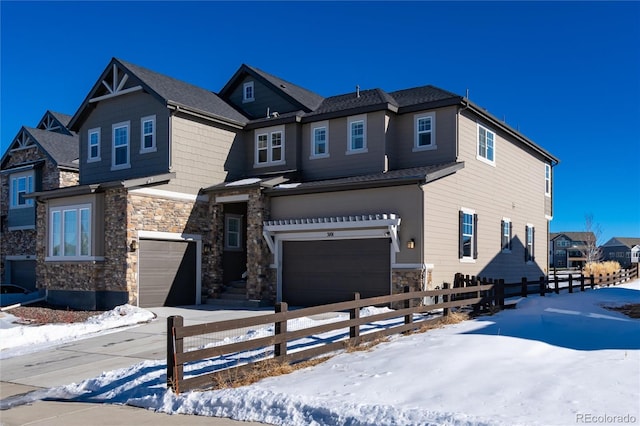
(88, 358)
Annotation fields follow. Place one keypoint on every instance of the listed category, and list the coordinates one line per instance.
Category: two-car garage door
(327, 271)
(167, 273)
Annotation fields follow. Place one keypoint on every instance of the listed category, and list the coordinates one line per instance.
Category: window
(21, 185)
(233, 232)
(357, 127)
(529, 250)
(93, 149)
(70, 232)
(247, 92)
(148, 134)
(120, 151)
(547, 180)
(425, 132)
(270, 147)
(320, 141)
(505, 231)
(486, 145)
(468, 244)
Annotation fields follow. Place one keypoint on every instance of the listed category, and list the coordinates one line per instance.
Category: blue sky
(567, 75)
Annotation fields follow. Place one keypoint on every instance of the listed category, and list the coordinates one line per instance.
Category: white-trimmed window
(486, 145)
(467, 233)
(120, 147)
(233, 232)
(270, 147)
(148, 134)
(357, 137)
(547, 180)
(529, 248)
(320, 140)
(70, 232)
(505, 234)
(93, 145)
(21, 185)
(248, 94)
(425, 132)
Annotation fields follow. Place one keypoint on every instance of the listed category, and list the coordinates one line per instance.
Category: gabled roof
(61, 148)
(170, 91)
(573, 236)
(55, 122)
(307, 99)
(622, 241)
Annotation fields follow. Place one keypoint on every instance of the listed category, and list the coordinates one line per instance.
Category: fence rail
(466, 292)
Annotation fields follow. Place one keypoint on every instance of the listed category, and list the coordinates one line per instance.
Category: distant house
(285, 194)
(622, 250)
(567, 249)
(38, 159)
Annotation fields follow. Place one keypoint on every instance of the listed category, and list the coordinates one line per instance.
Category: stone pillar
(260, 286)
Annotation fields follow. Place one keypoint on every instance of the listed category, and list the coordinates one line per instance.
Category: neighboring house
(293, 196)
(40, 158)
(622, 250)
(567, 249)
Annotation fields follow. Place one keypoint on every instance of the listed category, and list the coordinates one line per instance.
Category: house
(286, 195)
(622, 250)
(38, 159)
(568, 249)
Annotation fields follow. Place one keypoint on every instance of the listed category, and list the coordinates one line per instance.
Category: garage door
(320, 272)
(167, 273)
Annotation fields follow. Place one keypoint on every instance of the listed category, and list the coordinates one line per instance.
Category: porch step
(237, 303)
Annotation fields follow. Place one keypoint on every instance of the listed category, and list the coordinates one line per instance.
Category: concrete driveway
(88, 358)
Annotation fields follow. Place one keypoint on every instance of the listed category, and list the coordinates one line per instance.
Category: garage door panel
(320, 272)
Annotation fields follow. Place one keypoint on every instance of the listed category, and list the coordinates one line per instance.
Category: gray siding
(22, 218)
(131, 107)
(291, 149)
(339, 163)
(265, 98)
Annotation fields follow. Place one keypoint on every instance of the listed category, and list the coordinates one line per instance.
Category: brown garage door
(320, 272)
(167, 273)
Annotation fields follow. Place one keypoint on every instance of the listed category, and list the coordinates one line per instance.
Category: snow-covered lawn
(555, 360)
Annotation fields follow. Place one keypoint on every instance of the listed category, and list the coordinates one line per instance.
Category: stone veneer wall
(407, 277)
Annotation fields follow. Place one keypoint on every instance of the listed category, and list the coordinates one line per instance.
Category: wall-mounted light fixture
(411, 244)
(206, 248)
(133, 246)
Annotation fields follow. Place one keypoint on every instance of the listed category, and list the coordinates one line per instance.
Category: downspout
(465, 102)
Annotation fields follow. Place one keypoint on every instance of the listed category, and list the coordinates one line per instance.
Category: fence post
(570, 283)
(543, 285)
(408, 319)
(280, 349)
(581, 282)
(354, 330)
(501, 293)
(523, 287)
(175, 373)
(593, 281)
(555, 281)
(445, 299)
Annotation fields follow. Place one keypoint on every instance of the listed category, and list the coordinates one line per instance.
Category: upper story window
(529, 249)
(93, 142)
(467, 234)
(120, 149)
(248, 94)
(425, 132)
(320, 140)
(505, 231)
(357, 137)
(70, 232)
(148, 134)
(270, 147)
(21, 185)
(486, 145)
(547, 180)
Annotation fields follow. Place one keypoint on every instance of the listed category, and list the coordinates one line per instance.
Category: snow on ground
(555, 360)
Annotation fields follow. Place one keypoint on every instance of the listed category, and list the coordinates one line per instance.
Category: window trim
(78, 208)
(474, 236)
(114, 127)
(416, 132)
(269, 132)
(14, 197)
(547, 180)
(317, 126)
(350, 122)
(153, 148)
(96, 131)
(479, 156)
(509, 236)
(227, 218)
(245, 86)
